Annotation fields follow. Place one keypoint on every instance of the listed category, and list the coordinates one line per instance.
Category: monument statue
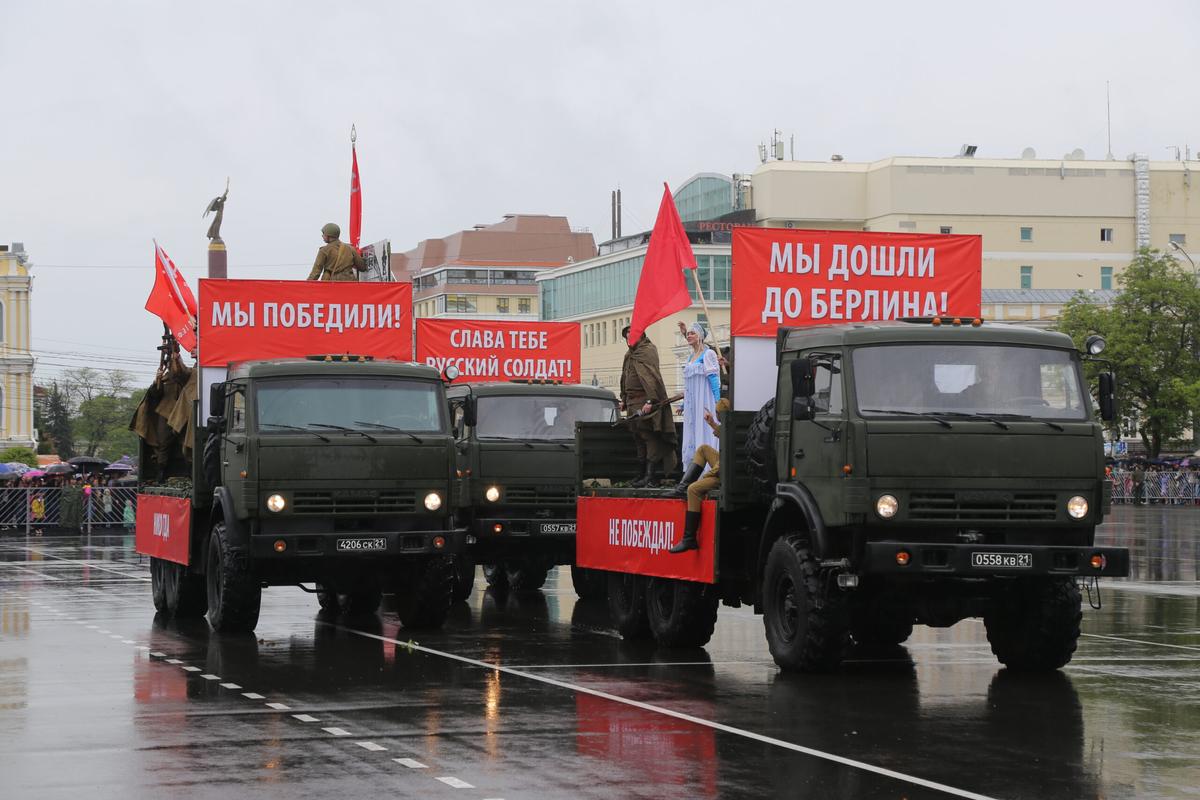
(217, 206)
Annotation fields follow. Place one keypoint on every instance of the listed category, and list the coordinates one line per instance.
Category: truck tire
(805, 616)
(192, 599)
(680, 613)
(589, 584)
(464, 577)
(181, 594)
(627, 605)
(526, 575)
(212, 458)
(361, 603)
(760, 450)
(328, 600)
(424, 593)
(872, 627)
(158, 589)
(234, 595)
(496, 576)
(1035, 627)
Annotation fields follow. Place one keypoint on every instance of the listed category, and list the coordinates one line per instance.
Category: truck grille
(982, 507)
(539, 495)
(402, 500)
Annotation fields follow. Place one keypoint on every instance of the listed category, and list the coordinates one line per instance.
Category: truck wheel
(627, 605)
(526, 576)
(874, 628)
(464, 577)
(328, 600)
(1035, 627)
(590, 584)
(192, 599)
(760, 450)
(362, 603)
(680, 613)
(804, 616)
(182, 594)
(234, 596)
(424, 593)
(496, 576)
(211, 462)
(158, 589)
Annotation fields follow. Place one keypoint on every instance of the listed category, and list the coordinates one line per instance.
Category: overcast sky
(121, 120)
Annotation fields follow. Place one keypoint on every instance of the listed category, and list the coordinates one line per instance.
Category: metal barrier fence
(32, 508)
(1176, 488)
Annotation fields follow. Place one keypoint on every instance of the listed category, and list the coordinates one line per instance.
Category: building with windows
(488, 272)
(16, 361)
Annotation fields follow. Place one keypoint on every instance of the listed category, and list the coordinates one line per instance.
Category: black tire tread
(425, 594)
(693, 614)
(760, 450)
(826, 631)
(241, 595)
(1036, 629)
(627, 605)
(589, 584)
(525, 576)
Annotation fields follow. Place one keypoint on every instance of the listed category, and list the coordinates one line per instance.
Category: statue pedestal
(218, 260)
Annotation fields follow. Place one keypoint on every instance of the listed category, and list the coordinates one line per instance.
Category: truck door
(234, 455)
(817, 447)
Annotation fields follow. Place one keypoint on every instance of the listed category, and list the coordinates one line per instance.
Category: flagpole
(708, 316)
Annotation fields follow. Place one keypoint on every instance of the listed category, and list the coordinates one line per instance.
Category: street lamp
(1178, 247)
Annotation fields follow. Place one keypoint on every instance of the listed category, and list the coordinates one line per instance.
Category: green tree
(58, 422)
(102, 424)
(1153, 334)
(21, 454)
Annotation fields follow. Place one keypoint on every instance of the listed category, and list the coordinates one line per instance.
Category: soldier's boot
(647, 474)
(690, 526)
(689, 477)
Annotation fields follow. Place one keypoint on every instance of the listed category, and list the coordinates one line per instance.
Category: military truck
(336, 471)
(914, 472)
(516, 462)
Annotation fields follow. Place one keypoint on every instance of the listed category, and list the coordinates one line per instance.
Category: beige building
(16, 361)
(488, 272)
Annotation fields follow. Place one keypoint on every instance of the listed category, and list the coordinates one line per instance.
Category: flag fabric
(661, 289)
(355, 200)
(172, 301)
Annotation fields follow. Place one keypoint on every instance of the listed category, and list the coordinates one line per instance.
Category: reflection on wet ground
(536, 697)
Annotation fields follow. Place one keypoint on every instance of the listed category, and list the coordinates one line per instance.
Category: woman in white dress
(701, 390)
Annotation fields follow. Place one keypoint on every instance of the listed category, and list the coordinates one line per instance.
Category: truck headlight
(887, 506)
(492, 494)
(433, 501)
(276, 503)
(1077, 507)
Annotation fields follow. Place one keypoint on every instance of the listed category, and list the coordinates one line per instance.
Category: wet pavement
(536, 697)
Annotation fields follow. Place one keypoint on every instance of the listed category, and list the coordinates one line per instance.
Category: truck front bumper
(358, 545)
(990, 560)
(505, 527)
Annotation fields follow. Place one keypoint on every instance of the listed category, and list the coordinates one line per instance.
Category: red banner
(244, 320)
(163, 527)
(632, 534)
(501, 351)
(797, 278)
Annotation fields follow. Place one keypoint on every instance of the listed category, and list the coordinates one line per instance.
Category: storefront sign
(501, 351)
(631, 534)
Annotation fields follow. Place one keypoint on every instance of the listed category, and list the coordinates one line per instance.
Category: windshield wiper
(975, 415)
(320, 436)
(343, 428)
(1054, 425)
(381, 426)
(509, 439)
(926, 414)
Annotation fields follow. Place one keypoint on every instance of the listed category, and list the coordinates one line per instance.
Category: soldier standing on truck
(336, 261)
(642, 389)
(695, 488)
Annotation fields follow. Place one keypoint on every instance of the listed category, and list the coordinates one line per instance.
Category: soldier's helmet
(331, 229)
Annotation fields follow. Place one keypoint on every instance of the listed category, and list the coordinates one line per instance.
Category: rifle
(653, 409)
(166, 352)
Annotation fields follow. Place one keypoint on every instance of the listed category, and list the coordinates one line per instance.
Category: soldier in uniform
(642, 388)
(336, 261)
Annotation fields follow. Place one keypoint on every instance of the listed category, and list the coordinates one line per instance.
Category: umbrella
(60, 469)
(5, 469)
(87, 461)
(118, 466)
(18, 467)
(10, 476)
(33, 473)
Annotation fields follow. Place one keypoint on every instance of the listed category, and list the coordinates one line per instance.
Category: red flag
(661, 289)
(172, 301)
(355, 200)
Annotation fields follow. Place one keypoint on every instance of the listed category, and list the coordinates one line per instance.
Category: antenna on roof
(1108, 114)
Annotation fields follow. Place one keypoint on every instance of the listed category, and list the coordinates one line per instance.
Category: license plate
(557, 527)
(360, 545)
(1002, 560)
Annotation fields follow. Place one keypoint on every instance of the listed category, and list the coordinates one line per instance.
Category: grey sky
(121, 120)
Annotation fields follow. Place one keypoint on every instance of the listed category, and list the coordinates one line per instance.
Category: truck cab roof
(302, 367)
(792, 339)
(495, 389)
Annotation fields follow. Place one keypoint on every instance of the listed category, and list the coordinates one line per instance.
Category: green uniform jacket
(337, 261)
(642, 382)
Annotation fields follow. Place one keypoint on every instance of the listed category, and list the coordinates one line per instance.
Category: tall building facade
(16, 360)
(488, 272)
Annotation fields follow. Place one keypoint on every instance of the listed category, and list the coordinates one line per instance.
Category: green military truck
(915, 472)
(516, 462)
(335, 471)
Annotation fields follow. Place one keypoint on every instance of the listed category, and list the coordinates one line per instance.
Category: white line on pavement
(456, 783)
(230, 686)
(411, 763)
(209, 677)
(279, 706)
(305, 718)
(336, 731)
(252, 696)
(1142, 641)
(374, 748)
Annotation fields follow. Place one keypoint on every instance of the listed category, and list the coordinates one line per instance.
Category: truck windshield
(530, 417)
(370, 404)
(990, 380)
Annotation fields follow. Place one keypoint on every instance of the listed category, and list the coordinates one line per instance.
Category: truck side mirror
(216, 399)
(469, 412)
(804, 384)
(1108, 396)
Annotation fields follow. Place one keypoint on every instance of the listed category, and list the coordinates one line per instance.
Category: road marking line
(210, 677)
(252, 696)
(456, 783)
(717, 726)
(1142, 641)
(156, 654)
(336, 731)
(174, 661)
(374, 748)
(411, 763)
(87, 564)
(186, 668)
(116, 636)
(305, 718)
(230, 686)
(279, 706)
(128, 641)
